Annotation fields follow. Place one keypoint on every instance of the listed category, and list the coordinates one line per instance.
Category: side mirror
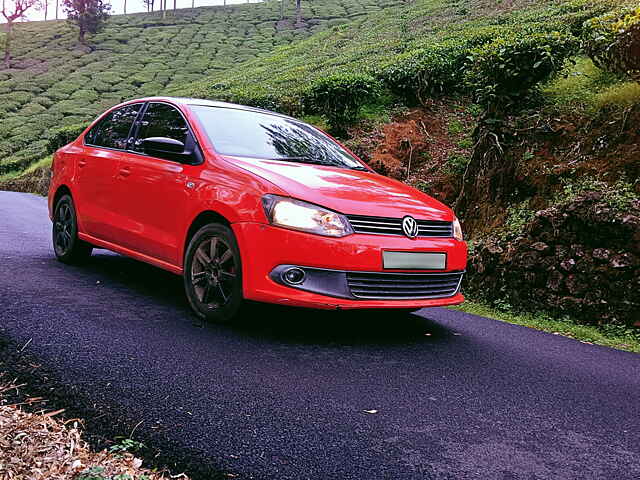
(167, 148)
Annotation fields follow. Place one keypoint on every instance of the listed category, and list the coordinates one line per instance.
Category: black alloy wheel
(213, 274)
(66, 244)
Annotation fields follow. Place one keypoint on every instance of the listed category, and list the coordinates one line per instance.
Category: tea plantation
(54, 82)
(414, 51)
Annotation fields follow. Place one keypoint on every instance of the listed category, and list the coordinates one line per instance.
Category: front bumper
(264, 248)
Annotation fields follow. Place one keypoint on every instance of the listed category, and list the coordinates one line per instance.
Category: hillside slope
(53, 81)
(415, 48)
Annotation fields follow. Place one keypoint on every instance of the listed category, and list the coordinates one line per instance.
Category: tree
(12, 11)
(298, 12)
(88, 15)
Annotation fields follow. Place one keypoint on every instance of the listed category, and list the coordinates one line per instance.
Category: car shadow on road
(324, 327)
(274, 323)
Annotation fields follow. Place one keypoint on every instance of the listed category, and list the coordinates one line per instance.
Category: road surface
(300, 395)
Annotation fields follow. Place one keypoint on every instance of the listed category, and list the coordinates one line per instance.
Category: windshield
(245, 133)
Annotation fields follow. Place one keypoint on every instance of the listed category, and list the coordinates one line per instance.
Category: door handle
(125, 172)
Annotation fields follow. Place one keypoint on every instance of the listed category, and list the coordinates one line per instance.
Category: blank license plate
(414, 260)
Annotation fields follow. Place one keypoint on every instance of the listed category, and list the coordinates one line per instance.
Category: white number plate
(414, 260)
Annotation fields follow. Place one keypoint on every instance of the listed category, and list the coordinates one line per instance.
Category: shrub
(456, 164)
(613, 42)
(340, 96)
(61, 136)
(503, 71)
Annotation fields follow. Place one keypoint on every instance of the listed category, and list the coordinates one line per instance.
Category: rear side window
(162, 120)
(113, 130)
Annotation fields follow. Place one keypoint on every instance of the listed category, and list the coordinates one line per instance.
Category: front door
(154, 191)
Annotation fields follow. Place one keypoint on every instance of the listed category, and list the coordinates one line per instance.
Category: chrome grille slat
(403, 286)
(393, 226)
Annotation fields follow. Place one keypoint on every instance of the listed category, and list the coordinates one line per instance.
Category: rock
(571, 304)
(575, 286)
(540, 246)
(554, 281)
(577, 250)
(494, 248)
(529, 260)
(601, 254)
(625, 260)
(568, 265)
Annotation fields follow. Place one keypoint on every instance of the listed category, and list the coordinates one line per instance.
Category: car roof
(206, 103)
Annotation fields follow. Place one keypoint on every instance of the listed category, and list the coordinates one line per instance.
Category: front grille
(393, 226)
(403, 286)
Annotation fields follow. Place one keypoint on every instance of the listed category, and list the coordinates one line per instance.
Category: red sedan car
(247, 204)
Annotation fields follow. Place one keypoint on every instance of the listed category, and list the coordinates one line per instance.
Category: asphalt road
(286, 395)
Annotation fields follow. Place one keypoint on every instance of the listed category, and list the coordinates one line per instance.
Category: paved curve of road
(286, 395)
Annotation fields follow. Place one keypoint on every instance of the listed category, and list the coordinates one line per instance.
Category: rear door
(96, 171)
(155, 191)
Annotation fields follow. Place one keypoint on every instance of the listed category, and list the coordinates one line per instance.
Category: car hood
(351, 192)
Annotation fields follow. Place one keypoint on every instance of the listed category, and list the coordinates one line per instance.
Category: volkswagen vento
(251, 205)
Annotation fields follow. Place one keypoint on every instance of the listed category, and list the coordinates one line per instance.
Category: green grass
(54, 82)
(613, 336)
(584, 88)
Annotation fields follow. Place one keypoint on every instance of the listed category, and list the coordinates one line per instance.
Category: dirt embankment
(32, 182)
(425, 147)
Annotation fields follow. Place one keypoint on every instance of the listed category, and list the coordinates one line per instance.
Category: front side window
(245, 133)
(162, 120)
(113, 130)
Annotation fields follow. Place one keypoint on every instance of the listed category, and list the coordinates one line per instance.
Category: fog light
(294, 276)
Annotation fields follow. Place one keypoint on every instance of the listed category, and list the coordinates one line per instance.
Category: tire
(67, 246)
(213, 274)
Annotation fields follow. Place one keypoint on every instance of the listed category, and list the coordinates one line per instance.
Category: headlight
(306, 217)
(457, 229)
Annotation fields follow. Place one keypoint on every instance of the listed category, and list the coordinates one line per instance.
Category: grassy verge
(614, 336)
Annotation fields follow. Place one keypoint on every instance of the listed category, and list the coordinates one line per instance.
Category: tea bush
(507, 68)
(340, 96)
(613, 41)
(62, 136)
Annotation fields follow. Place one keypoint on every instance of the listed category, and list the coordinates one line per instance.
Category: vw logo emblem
(410, 227)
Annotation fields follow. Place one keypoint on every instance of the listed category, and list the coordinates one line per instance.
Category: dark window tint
(113, 130)
(246, 133)
(162, 120)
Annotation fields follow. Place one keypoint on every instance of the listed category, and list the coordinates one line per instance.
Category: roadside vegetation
(613, 336)
(40, 444)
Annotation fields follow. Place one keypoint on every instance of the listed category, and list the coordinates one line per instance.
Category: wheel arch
(202, 219)
(62, 190)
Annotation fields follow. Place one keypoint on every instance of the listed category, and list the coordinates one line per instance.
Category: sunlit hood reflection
(346, 191)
